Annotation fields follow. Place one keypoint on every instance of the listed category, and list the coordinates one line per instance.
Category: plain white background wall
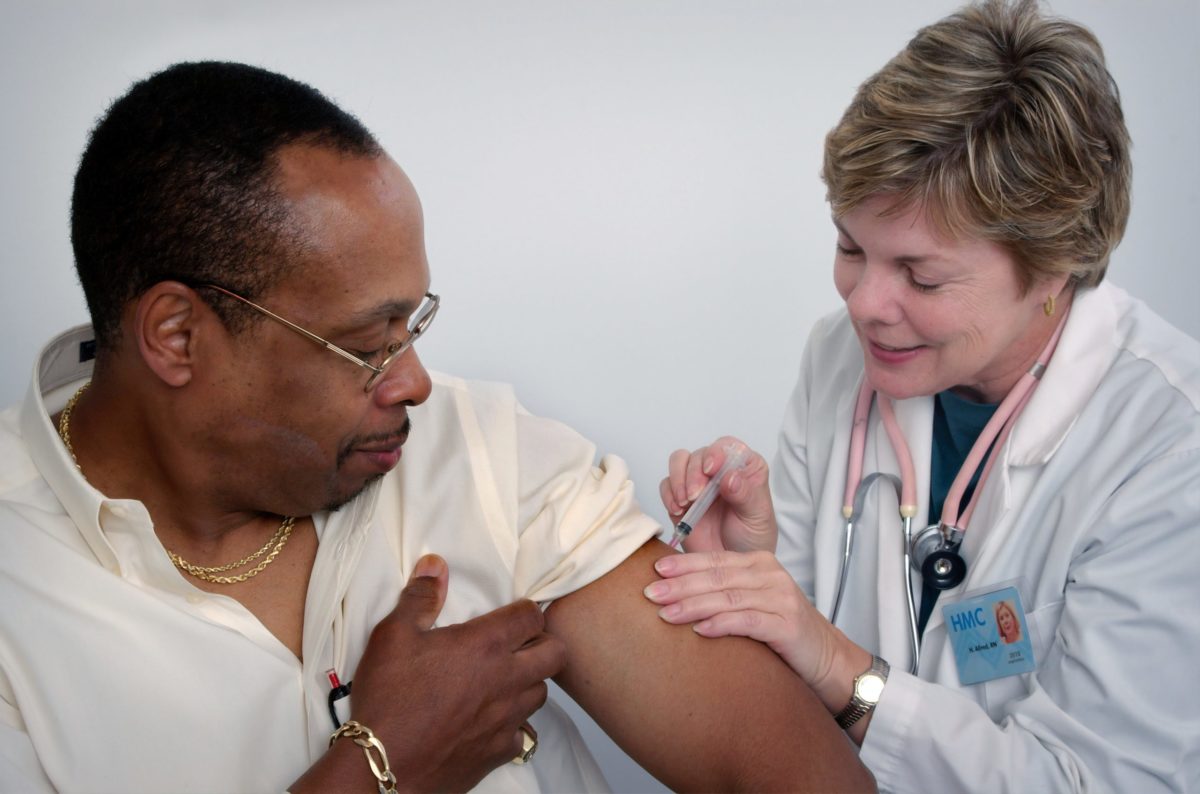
(623, 211)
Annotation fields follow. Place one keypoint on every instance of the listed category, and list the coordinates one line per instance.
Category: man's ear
(166, 320)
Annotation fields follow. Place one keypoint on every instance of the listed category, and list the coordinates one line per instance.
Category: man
(206, 523)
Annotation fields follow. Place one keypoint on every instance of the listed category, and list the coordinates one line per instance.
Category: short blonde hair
(1003, 125)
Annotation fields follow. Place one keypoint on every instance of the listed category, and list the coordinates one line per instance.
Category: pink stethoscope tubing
(952, 526)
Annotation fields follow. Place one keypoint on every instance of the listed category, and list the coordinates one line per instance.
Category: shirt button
(195, 598)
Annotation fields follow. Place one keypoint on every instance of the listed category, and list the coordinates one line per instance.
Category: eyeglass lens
(418, 324)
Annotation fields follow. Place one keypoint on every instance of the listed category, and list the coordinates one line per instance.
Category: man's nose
(406, 382)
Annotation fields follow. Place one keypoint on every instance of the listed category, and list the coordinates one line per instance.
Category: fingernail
(707, 468)
(428, 565)
(664, 565)
(702, 627)
(693, 494)
(669, 612)
(655, 590)
(735, 479)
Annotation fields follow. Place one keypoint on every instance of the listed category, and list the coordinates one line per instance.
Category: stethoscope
(934, 551)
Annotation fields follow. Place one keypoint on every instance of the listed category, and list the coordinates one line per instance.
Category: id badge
(990, 636)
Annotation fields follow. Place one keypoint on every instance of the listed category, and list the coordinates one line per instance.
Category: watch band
(868, 686)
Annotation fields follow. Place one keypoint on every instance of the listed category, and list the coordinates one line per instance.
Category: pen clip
(337, 692)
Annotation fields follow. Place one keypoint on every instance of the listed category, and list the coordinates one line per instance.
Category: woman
(978, 184)
(1007, 622)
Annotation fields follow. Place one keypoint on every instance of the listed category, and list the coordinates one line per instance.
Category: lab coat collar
(1087, 349)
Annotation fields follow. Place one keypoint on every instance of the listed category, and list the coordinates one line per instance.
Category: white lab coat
(1093, 510)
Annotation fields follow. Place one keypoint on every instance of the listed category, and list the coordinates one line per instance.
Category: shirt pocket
(1042, 623)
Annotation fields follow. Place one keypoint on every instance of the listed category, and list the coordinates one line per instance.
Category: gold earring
(1048, 306)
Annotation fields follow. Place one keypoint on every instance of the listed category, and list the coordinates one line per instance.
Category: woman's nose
(873, 296)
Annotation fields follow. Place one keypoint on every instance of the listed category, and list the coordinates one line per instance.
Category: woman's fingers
(680, 564)
(742, 517)
(699, 469)
(744, 594)
(765, 627)
(707, 605)
(665, 493)
(674, 486)
(689, 471)
(730, 574)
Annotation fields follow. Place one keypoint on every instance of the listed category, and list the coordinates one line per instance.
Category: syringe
(735, 458)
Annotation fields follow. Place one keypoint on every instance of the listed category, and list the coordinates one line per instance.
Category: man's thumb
(422, 599)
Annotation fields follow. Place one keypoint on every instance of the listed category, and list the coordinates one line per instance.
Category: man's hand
(446, 703)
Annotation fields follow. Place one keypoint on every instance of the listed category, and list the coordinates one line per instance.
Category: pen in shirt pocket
(339, 705)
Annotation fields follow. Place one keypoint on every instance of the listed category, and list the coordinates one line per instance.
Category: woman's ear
(165, 323)
(1058, 286)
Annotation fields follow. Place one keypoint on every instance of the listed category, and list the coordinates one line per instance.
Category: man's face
(295, 416)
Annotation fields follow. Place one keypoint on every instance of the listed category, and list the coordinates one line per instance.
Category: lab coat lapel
(1085, 352)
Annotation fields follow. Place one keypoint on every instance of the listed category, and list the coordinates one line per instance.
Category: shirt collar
(61, 368)
(64, 365)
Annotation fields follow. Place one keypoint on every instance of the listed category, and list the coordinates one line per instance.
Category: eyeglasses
(418, 324)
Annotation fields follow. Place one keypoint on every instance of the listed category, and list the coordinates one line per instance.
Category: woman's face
(1006, 622)
(934, 313)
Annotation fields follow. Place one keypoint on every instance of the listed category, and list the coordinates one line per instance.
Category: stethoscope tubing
(952, 524)
(859, 502)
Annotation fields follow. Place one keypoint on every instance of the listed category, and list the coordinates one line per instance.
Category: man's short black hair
(177, 182)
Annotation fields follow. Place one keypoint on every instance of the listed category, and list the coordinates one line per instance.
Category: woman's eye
(921, 286)
(845, 250)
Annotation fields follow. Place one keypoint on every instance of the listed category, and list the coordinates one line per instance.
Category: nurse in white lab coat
(979, 183)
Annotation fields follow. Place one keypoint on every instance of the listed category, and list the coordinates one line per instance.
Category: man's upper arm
(698, 714)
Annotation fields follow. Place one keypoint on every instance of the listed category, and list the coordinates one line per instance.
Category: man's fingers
(530, 699)
(422, 599)
(543, 657)
(512, 625)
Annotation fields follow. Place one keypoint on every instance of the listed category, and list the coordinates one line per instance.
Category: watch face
(870, 687)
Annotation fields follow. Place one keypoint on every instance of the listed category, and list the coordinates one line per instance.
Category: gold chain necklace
(275, 544)
(210, 574)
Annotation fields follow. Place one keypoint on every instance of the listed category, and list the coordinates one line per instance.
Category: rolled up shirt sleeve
(576, 519)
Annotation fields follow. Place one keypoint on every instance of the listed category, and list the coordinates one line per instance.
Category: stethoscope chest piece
(934, 553)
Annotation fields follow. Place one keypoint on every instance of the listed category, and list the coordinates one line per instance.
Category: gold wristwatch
(868, 687)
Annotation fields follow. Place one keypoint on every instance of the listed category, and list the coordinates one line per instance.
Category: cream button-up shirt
(117, 674)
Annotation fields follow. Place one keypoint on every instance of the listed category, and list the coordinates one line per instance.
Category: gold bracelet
(365, 739)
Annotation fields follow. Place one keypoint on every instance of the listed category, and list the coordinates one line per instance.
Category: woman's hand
(751, 595)
(741, 519)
